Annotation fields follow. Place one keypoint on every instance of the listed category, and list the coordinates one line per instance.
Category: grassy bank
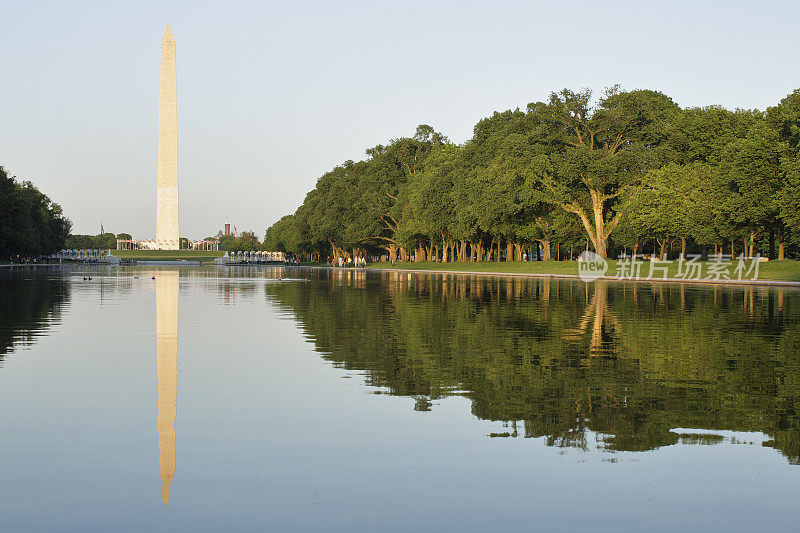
(167, 255)
(771, 270)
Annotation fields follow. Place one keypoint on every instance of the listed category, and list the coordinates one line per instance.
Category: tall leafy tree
(751, 172)
(785, 119)
(600, 152)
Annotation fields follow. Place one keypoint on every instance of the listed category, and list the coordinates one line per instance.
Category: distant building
(226, 230)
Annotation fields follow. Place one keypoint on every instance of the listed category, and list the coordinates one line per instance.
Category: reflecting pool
(298, 399)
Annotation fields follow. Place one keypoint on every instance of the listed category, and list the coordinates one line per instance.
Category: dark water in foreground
(387, 401)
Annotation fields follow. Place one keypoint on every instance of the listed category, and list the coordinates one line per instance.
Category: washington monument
(167, 196)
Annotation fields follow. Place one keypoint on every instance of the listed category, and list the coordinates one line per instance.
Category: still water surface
(226, 398)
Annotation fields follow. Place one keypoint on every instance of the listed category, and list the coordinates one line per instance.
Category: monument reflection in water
(167, 364)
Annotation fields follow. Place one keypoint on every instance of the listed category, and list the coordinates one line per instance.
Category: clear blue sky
(272, 95)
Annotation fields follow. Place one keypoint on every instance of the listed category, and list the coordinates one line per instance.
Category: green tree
(785, 119)
(602, 152)
(392, 167)
(669, 203)
(31, 225)
(751, 170)
(431, 197)
(700, 134)
(245, 242)
(283, 236)
(106, 241)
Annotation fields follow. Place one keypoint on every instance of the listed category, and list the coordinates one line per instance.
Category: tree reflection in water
(563, 360)
(31, 300)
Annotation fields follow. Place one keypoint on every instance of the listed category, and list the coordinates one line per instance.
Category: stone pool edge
(734, 282)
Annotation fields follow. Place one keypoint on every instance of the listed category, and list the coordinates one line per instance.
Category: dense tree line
(31, 225)
(634, 172)
(101, 241)
(31, 302)
(244, 242)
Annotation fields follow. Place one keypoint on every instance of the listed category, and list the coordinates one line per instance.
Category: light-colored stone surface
(167, 235)
(167, 372)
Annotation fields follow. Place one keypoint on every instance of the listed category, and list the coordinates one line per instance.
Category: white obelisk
(167, 197)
